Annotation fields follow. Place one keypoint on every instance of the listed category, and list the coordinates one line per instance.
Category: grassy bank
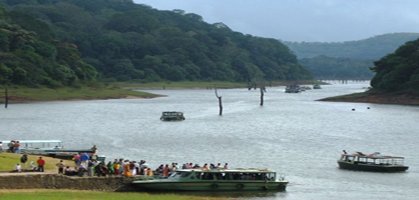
(25, 94)
(19, 94)
(374, 97)
(181, 85)
(203, 84)
(88, 195)
(9, 160)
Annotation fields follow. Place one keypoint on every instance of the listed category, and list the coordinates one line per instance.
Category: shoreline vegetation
(118, 90)
(374, 97)
(25, 94)
(121, 90)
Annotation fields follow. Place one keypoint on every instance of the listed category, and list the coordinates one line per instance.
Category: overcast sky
(304, 20)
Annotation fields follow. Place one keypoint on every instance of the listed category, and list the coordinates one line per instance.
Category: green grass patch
(181, 85)
(88, 195)
(9, 160)
(19, 94)
(24, 94)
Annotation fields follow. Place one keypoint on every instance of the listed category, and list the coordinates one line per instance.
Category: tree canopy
(120, 40)
(399, 71)
(28, 58)
(324, 67)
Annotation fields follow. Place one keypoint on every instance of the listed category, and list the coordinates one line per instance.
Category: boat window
(175, 174)
(262, 176)
(207, 176)
(227, 176)
(219, 176)
(272, 176)
(184, 174)
(41, 145)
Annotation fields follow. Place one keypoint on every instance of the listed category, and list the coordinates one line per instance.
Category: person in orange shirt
(41, 164)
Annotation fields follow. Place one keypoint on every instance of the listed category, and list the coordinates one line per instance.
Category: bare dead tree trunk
(262, 92)
(220, 103)
(6, 98)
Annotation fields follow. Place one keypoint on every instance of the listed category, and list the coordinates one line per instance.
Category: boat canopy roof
(33, 141)
(172, 113)
(375, 155)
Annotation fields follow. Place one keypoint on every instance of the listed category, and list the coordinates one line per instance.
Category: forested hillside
(399, 71)
(347, 60)
(125, 41)
(29, 58)
(367, 49)
(324, 67)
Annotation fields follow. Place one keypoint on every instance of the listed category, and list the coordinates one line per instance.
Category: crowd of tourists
(87, 164)
(22, 166)
(13, 146)
(123, 167)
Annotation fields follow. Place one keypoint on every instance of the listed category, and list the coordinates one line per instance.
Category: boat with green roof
(216, 180)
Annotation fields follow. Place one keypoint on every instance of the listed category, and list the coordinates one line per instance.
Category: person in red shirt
(41, 164)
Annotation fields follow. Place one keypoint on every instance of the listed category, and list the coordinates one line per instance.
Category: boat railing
(375, 158)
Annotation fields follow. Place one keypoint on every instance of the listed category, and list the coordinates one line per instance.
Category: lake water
(292, 134)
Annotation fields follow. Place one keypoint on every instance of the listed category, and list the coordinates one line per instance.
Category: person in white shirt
(18, 168)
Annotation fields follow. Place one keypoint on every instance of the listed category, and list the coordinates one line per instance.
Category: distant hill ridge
(367, 49)
(347, 60)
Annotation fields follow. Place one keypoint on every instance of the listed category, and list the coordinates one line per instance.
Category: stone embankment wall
(55, 181)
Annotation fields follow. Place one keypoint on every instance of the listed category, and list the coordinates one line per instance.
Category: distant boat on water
(375, 162)
(317, 86)
(172, 116)
(293, 89)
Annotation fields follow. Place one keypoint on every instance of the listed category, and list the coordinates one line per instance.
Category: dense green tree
(399, 71)
(31, 56)
(78, 40)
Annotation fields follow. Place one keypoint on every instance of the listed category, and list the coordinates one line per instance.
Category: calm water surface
(292, 134)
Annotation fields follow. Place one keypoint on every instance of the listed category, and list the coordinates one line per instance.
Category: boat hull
(156, 185)
(371, 167)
